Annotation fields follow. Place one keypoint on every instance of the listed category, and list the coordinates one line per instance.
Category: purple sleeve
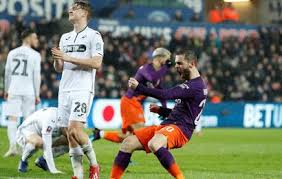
(138, 76)
(178, 92)
(163, 101)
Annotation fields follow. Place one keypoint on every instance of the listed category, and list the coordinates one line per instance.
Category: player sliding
(38, 131)
(177, 129)
(132, 113)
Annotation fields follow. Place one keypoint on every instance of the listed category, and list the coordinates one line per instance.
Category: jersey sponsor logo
(83, 37)
(68, 37)
(74, 48)
(49, 128)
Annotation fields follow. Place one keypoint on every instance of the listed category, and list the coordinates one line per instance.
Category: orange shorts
(175, 137)
(131, 112)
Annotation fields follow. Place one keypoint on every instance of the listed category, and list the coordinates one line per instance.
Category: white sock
(76, 155)
(12, 131)
(60, 150)
(102, 134)
(89, 152)
(28, 151)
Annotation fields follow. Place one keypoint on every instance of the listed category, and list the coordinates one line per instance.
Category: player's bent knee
(153, 146)
(157, 142)
(129, 144)
(39, 144)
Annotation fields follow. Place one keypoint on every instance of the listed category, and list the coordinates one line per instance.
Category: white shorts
(19, 105)
(24, 132)
(74, 106)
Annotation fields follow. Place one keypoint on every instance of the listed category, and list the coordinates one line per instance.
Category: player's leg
(13, 111)
(132, 115)
(32, 143)
(128, 146)
(113, 136)
(75, 153)
(167, 137)
(78, 138)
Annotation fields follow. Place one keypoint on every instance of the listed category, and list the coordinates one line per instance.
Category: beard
(184, 74)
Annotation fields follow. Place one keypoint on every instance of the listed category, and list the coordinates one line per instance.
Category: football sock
(12, 131)
(168, 162)
(120, 164)
(60, 150)
(112, 136)
(89, 152)
(28, 150)
(76, 155)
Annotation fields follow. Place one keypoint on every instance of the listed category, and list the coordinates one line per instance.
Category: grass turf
(219, 153)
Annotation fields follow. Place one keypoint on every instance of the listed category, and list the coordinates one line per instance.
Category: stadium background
(240, 59)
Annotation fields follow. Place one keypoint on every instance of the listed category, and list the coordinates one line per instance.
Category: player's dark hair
(26, 33)
(85, 4)
(189, 55)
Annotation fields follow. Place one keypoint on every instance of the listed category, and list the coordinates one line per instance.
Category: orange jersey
(131, 112)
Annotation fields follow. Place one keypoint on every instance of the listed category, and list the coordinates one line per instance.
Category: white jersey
(43, 121)
(83, 45)
(22, 72)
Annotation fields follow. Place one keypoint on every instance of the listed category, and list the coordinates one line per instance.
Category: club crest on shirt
(98, 46)
(149, 84)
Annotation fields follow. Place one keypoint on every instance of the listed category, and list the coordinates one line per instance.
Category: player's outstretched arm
(178, 92)
(47, 152)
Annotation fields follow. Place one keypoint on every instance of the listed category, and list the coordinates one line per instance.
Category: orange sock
(112, 136)
(116, 172)
(175, 171)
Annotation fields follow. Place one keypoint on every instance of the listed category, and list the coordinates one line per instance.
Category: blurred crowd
(235, 69)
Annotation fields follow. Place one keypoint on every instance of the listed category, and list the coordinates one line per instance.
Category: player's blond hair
(161, 52)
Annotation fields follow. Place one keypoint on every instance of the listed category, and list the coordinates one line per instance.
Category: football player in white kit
(79, 54)
(22, 83)
(39, 130)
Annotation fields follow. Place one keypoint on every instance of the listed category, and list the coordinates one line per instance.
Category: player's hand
(57, 54)
(154, 108)
(5, 96)
(133, 83)
(37, 100)
(168, 63)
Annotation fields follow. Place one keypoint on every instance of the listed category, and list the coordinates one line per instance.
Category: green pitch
(219, 153)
